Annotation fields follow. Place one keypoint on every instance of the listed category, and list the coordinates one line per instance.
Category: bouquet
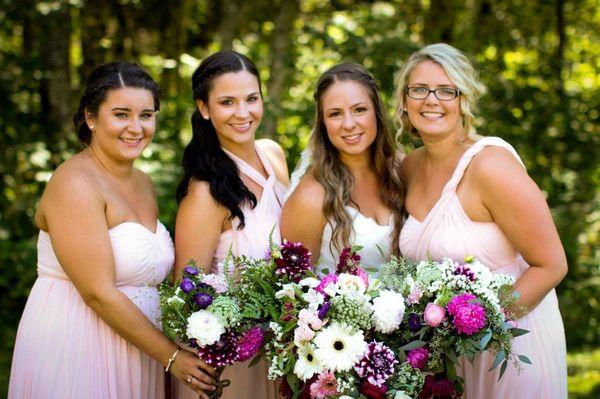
(329, 332)
(205, 312)
(453, 309)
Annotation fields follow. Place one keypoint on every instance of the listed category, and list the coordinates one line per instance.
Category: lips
(432, 115)
(130, 140)
(241, 127)
(351, 139)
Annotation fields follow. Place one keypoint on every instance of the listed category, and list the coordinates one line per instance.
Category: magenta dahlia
(223, 352)
(377, 364)
(417, 358)
(250, 343)
(294, 260)
(468, 315)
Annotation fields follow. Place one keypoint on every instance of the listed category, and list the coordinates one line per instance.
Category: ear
(90, 119)
(203, 108)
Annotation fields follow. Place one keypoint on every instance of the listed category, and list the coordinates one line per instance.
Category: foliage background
(538, 59)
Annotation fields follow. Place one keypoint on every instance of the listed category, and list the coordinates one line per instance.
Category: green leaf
(485, 340)
(516, 332)
(451, 355)
(413, 345)
(255, 360)
(499, 358)
(503, 369)
(524, 359)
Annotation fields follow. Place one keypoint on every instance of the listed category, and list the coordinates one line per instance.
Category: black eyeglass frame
(434, 91)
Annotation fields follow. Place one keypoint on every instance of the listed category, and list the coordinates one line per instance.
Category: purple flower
(324, 309)
(250, 343)
(190, 271)
(464, 270)
(223, 352)
(418, 358)
(414, 322)
(331, 278)
(377, 364)
(294, 261)
(468, 314)
(203, 300)
(187, 285)
(349, 261)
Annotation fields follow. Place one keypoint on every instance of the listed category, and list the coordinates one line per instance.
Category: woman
(468, 195)
(91, 326)
(352, 191)
(232, 187)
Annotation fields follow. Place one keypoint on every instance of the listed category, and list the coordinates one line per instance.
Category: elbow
(95, 298)
(561, 272)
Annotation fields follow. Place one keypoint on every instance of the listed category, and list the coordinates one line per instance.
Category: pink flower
(363, 275)
(325, 386)
(417, 358)
(250, 343)
(468, 314)
(303, 334)
(310, 318)
(325, 281)
(434, 314)
(414, 296)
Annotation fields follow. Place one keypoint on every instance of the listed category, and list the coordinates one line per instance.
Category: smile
(130, 140)
(432, 115)
(352, 139)
(241, 127)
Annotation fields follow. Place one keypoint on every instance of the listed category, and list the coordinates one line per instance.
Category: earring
(92, 127)
(206, 117)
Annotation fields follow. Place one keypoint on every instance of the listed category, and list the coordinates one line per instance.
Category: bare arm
(518, 206)
(74, 213)
(302, 217)
(198, 226)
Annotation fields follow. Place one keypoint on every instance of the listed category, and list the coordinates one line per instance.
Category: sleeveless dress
(373, 237)
(64, 350)
(252, 241)
(448, 232)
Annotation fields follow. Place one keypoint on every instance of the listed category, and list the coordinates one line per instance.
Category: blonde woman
(351, 194)
(468, 195)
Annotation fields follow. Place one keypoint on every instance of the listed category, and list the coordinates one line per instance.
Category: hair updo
(106, 77)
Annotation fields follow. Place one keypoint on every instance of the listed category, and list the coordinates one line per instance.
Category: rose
(373, 391)
(303, 334)
(434, 314)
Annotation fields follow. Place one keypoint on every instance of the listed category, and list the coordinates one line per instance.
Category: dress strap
(467, 157)
(249, 171)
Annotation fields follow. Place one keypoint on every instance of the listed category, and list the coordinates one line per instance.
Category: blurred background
(539, 60)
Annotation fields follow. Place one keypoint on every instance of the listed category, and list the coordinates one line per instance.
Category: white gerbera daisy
(204, 327)
(338, 347)
(307, 363)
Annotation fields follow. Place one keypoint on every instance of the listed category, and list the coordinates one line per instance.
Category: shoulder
(74, 178)
(495, 161)
(276, 156)
(409, 162)
(309, 195)
(199, 197)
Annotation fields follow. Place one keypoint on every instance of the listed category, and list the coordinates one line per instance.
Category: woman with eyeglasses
(470, 195)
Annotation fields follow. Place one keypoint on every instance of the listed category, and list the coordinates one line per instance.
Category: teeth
(351, 137)
(432, 114)
(127, 140)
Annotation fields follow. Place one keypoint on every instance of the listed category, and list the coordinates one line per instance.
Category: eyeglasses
(442, 93)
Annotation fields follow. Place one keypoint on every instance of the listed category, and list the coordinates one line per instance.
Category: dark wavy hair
(336, 178)
(107, 77)
(203, 157)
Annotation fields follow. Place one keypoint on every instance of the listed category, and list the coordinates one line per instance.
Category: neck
(359, 165)
(116, 169)
(439, 150)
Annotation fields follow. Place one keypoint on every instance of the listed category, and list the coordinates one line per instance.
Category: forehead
(233, 84)
(129, 97)
(430, 73)
(344, 93)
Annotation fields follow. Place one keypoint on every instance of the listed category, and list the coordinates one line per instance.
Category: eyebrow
(226, 97)
(441, 85)
(352, 106)
(129, 110)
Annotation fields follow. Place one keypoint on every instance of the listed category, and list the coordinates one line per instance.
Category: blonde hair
(336, 178)
(460, 71)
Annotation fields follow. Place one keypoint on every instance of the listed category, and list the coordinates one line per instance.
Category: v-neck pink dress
(447, 231)
(64, 350)
(252, 241)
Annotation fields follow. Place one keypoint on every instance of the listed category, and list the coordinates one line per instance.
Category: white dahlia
(338, 347)
(307, 363)
(388, 311)
(204, 327)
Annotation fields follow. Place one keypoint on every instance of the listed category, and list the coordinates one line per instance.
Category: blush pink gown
(252, 241)
(448, 232)
(64, 350)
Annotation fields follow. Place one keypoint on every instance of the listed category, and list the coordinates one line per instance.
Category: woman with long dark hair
(232, 187)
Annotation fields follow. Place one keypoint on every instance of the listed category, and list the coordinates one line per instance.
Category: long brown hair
(336, 178)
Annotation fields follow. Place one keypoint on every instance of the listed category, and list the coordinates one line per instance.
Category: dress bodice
(447, 231)
(260, 221)
(141, 257)
(367, 233)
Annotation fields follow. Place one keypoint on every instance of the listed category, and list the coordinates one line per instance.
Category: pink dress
(252, 241)
(448, 232)
(64, 350)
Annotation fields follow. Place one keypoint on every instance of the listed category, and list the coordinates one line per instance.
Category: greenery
(539, 61)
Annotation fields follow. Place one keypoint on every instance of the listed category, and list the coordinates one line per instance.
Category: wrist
(171, 360)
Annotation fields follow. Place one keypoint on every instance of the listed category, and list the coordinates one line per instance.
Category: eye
(447, 91)
(360, 110)
(419, 90)
(121, 115)
(253, 99)
(227, 102)
(335, 114)
(147, 115)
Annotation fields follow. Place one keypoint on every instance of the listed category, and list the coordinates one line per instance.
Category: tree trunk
(439, 21)
(231, 13)
(94, 19)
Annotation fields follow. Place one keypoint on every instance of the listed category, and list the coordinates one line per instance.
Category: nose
(135, 125)
(348, 123)
(242, 110)
(431, 98)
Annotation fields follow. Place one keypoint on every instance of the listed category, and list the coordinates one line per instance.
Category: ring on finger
(189, 380)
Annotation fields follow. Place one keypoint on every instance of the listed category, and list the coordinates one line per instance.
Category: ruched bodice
(141, 257)
(367, 233)
(447, 231)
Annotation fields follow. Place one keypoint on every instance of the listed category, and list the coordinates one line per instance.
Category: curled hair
(107, 77)
(203, 157)
(336, 178)
(461, 73)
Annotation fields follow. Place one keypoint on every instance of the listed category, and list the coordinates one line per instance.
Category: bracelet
(172, 359)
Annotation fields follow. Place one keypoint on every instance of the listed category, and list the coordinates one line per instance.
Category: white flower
(310, 282)
(303, 334)
(388, 311)
(349, 283)
(331, 289)
(401, 395)
(175, 301)
(313, 298)
(311, 318)
(204, 327)
(287, 290)
(338, 347)
(345, 397)
(307, 363)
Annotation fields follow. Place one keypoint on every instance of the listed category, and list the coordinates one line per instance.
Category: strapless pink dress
(252, 241)
(64, 350)
(448, 232)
